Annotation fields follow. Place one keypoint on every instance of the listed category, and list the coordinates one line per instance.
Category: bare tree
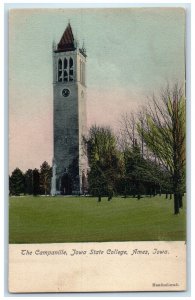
(127, 135)
(163, 131)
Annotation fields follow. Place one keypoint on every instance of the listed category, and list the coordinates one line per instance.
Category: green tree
(45, 178)
(132, 176)
(141, 175)
(16, 182)
(104, 161)
(164, 135)
(36, 182)
(28, 179)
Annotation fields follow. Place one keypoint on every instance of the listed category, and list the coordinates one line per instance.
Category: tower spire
(67, 40)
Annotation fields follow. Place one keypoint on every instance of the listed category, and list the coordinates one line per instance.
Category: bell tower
(69, 114)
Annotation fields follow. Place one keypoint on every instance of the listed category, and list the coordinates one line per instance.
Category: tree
(141, 175)
(16, 182)
(132, 176)
(127, 132)
(104, 161)
(164, 135)
(28, 179)
(45, 178)
(36, 182)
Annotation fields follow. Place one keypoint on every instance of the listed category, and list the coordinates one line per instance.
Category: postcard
(97, 139)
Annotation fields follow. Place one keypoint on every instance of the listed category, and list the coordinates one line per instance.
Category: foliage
(32, 182)
(142, 176)
(45, 178)
(164, 135)
(28, 178)
(16, 182)
(36, 182)
(104, 161)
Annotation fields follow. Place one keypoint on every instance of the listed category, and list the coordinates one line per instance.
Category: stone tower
(69, 114)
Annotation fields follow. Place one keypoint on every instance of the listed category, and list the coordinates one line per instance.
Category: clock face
(65, 92)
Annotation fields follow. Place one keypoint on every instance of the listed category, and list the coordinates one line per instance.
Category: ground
(83, 219)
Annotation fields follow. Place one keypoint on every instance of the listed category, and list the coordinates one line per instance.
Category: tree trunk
(166, 195)
(177, 190)
(180, 201)
(176, 204)
(125, 193)
(160, 191)
(170, 197)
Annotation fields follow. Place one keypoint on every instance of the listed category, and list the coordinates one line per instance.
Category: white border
(3, 131)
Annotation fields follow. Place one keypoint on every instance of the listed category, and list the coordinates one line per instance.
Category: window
(59, 70)
(65, 63)
(71, 63)
(65, 76)
(70, 69)
(65, 70)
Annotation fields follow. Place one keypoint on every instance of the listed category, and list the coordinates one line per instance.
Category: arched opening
(66, 184)
(70, 69)
(65, 70)
(60, 70)
(65, 63)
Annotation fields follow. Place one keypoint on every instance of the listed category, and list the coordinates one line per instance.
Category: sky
(131, 54)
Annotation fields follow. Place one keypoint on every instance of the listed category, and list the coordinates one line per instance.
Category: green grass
(83, 219)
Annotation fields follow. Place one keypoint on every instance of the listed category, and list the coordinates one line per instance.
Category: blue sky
(131, 54)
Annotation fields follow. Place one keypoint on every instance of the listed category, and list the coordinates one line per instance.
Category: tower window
(65, 70)
(70, 69)
(71, 63)
(65, 63)
(59, 70)
(65, 76)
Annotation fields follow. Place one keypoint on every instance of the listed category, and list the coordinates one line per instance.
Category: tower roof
(67, 40)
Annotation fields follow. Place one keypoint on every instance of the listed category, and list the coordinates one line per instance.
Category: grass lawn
(83, 219)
